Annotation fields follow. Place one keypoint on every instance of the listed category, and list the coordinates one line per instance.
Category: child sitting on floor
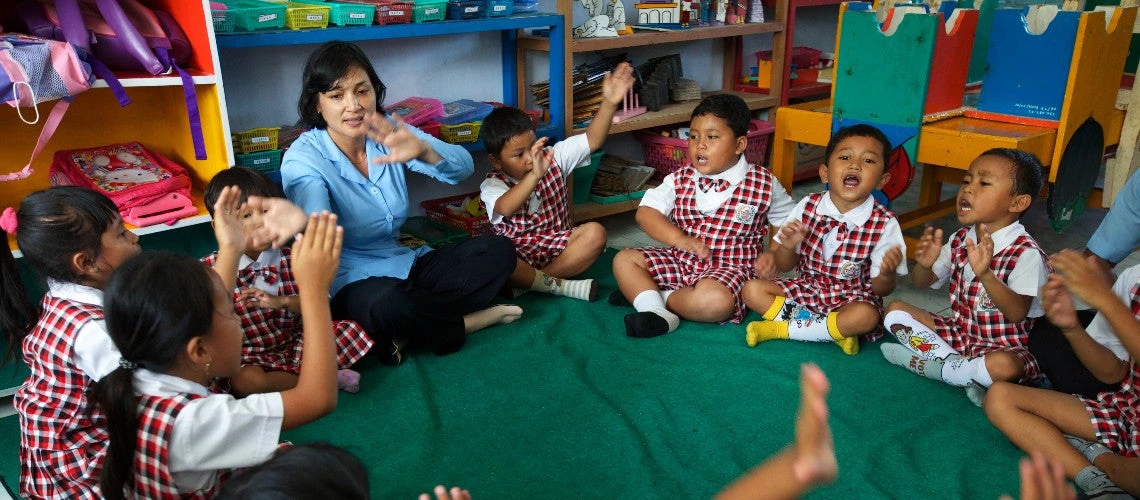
(526, 197)
(265, 296)
(169, 437)
(713, 214)
(847, 249)
(995, 269)
(1103, 428)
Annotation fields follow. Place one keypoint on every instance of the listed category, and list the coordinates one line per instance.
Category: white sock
(813, 329)
(1092, 479)
(960, 371)
(916, 337)
(577, 289)
(650, 301)
(665, 295)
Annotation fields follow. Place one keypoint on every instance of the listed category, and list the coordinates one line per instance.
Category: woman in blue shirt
(353, 162)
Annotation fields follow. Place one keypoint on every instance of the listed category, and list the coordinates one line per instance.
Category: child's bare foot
(494, 315)
(815, 451)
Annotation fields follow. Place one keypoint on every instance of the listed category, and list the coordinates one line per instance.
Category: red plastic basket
(389, 11)
(440, 210)
(667, 154)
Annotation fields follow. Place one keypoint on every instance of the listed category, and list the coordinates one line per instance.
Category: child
(526, 199)
(313, 470)
(169, 436)
(847, 249)
(1038, 420)
(713, 214)
(74, 238)
(266, 299)
(995, 269)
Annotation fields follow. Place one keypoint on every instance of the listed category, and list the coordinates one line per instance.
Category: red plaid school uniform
(63, 439)
(272, 338)
(734, 235)
(539, 237)
(824, 285)
(977, 326)
(1116, 415)
(152, 477)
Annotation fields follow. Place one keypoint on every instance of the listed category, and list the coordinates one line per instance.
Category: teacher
(353, 162)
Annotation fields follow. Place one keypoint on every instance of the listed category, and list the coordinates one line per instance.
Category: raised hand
(792, 234)
(980, 254)
(617, 83)
(695, 247)
(280, 220)
(1058, 304)
(815, 451)
(891, 260)
(316, 254)
(540, 158)
(1081, 278)
(228, 227)
(442, 493)
(766, 265)
(402, 144)
(929, 246)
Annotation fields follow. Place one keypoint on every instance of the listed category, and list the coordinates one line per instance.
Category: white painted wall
(262, 84)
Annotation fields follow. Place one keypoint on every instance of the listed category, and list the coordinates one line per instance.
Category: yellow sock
(774, 310)
(850, 345)
(759, 331)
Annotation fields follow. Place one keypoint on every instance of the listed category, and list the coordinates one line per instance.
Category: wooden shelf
(656, 37)
(591, 210)
(680, 112)
(143, 79)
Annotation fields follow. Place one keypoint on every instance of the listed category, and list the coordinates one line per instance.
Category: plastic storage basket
(451, 211)
(429, 11)
(433, 234)
(466, 9)
(303, 15)
(254, 140)
(223, 21)
(248, 15)
(265, 161)
(667, 154)
(394, 12)
(347, 14)
(500, 8)
(460, 132)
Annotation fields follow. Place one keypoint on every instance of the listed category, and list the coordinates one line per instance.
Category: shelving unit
(731, 37)
(509, 27)
(156, 116)
(795, 91)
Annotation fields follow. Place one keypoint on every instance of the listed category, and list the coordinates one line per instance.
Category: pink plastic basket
(667, 154)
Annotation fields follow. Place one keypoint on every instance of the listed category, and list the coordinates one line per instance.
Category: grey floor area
(624, 232)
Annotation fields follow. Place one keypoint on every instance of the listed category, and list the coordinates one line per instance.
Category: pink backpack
(147, 187)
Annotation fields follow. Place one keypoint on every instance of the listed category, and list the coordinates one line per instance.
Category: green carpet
(563, 404)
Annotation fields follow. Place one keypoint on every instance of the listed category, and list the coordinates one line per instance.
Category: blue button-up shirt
(318, 176)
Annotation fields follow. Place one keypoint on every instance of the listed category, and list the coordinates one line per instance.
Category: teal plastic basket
(500, 8)
(223, 21)
(265, 161)
(347, 14)
(254, 15)
(429, 11)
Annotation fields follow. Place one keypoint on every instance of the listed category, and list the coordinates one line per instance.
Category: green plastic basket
(223, 21)
(429, 11)
(432, 232)
(347, 14)
(265, 161)
(253, 15)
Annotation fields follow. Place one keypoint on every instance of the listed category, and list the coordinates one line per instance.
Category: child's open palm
(1081, 278)
(929, 246)
(815, 461)
(540, 158)
(316, 253)
(792, 234)
(228, 227)
(891, 260)
(980, 254)
(617, 83)
(1058, 304)
(280, 220)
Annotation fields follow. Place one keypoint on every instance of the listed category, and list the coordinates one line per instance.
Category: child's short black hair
(858, 130)
(1028, 174)
(314, 470)
(501, 125)
(730, 108)
(250, 181)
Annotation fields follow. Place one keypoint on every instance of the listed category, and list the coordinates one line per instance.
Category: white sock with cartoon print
(577, 289)
(960, 371)
(917, 337)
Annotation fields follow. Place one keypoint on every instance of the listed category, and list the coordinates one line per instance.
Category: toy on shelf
(630, 107)
(805, 67)
(607, 19)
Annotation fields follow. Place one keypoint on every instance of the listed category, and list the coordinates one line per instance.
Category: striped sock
(577, 289)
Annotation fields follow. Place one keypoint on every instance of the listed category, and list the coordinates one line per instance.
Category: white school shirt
(1026, 278)
(663, 198)
(569, 154)
(270, 257)
(891, 237)
(215, 432)
(1099, 329)
(95, 353)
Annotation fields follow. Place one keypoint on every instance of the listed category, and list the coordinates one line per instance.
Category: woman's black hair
(52, 226)
(311, 471)
(151, 318)
(329, 63)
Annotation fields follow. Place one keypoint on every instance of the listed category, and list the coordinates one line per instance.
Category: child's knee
(998, 400)
(897, 306)
(1004, 366)
(717, 301)
(593, 236)
(859, 318)
(628, 257)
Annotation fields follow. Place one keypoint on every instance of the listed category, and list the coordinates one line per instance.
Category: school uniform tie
(706, 183)
(268, 274)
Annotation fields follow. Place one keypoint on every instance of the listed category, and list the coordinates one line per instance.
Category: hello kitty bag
(147, 187)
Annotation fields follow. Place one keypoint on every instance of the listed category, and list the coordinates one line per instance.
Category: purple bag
(122, 35)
